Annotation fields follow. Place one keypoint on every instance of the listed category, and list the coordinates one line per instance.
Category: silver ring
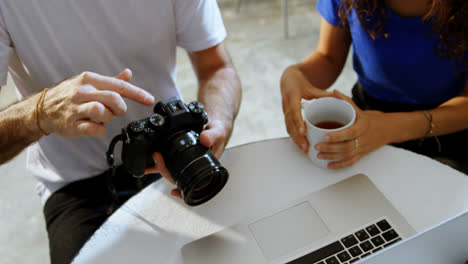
(356, 143)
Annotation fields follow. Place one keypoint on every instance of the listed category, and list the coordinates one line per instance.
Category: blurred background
(260, 52)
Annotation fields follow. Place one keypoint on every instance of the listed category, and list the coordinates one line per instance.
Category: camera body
(173, 130)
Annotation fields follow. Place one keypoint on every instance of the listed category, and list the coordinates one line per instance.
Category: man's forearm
(221, 94)
(17, 128)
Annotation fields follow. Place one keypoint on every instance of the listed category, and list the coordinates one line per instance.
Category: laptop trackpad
(288, 230)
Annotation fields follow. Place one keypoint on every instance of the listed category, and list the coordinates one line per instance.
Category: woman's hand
(370, 131)
(294, 87)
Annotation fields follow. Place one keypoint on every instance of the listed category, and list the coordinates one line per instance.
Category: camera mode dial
(196, 107)
(157, 120)
(198, 111)
(135, 128)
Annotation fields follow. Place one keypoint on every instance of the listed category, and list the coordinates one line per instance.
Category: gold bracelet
(428, 116)
(430, 132)
(36, 112)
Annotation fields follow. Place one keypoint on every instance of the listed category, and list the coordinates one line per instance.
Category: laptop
(446, 243)
(342, 223)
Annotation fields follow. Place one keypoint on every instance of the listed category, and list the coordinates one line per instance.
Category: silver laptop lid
(312, 223)
(446, 243)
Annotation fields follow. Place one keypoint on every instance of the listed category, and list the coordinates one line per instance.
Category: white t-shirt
(45, 42)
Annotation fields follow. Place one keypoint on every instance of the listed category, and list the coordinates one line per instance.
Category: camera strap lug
(110, 176)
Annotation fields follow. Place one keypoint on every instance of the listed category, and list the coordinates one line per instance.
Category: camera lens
(206, 181)
(205, 190)
(196, 171)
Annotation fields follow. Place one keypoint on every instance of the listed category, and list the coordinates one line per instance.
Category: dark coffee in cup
(329, 124)
(322, 116)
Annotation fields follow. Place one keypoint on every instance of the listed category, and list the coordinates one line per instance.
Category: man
(72, 122)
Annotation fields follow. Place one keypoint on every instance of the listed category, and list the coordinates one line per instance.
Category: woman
(411, 58)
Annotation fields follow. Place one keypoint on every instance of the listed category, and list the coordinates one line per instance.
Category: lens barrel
(198, 174)
(202, 179)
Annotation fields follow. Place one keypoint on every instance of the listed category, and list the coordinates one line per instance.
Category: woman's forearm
(320, 70)
(448, 118)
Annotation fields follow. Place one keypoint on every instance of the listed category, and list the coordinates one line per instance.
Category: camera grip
(136, 157)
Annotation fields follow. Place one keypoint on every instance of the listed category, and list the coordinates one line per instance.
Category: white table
(152, 227)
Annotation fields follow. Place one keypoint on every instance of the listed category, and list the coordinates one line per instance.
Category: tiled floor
(260, 53)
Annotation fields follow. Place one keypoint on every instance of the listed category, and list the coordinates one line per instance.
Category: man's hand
(82, 105)
(160, 167)
(213, 137)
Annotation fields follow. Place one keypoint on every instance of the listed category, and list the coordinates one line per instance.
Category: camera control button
(150, 133)
(198, 111)
(136, 127)
(196, 107)
(157, 120)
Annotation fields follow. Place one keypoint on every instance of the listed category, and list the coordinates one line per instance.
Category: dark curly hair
(449, 19)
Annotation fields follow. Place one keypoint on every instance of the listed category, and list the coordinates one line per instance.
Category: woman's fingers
(344, 163)
(341, 96)
(340, 147)
(295, 125)
(351, 133)
(295, 87)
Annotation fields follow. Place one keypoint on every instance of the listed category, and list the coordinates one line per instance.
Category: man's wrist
(29, 118)
(226, 123)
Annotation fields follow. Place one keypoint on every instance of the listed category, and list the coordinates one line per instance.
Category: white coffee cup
(317, 112)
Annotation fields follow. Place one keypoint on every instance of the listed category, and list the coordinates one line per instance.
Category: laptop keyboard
(355, 246)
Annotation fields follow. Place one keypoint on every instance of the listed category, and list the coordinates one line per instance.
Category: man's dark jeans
(76, 211)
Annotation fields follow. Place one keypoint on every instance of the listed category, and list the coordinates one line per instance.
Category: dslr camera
(174, 130)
